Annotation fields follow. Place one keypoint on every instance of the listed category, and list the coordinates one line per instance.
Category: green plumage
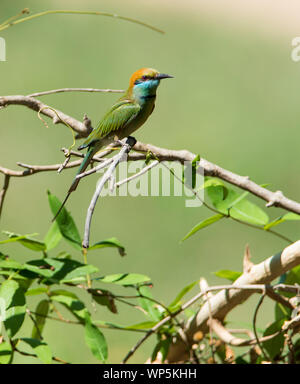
(119, 116)
(124, 117)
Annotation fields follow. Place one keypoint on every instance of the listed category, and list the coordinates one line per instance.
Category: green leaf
(216, 192)
(275, 345)
(10, 264)
(227, 274)
(293, 276)
(143, 325)
(79, 272)
(108, 324)
(191, 183)
(42, 309)
(149, 306)
(163, 347)
(71, 302)
(239, 208)
(183, 292)
(194, 169)
(15, 306)
(113, 242)
(291, 216)
(281, 219)
(203, 224)
(14, 318)
(16, 276)
(38, 268)
(124, 279)
(60, 270)
(282, 312)
(63, 255)
(40, 348)
(212, 182)
(7, 291)
(149, 157)
(95, 340)
(25, 240)
(36, 291)
(53, 236)
(65, 222)
(241, 360)
(6, 353)
(237, 200)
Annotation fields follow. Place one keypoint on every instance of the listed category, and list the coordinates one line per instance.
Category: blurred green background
(234, 100)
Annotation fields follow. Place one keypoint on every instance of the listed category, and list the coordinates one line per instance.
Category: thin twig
(261, 299)
(226, 336)
(104, 326)
(104, 164)
(4, 191)
(35, 324)
(60, 90)
(138, 174)
(6, 25)
(54, 358)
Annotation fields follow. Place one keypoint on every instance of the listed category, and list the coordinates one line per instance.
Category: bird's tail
(90, 153)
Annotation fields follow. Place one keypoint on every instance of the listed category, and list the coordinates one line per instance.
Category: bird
(128, 114)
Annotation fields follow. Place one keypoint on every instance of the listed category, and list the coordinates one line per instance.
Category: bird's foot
(129, 140)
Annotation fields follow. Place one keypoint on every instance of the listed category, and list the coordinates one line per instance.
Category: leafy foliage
(54, 277)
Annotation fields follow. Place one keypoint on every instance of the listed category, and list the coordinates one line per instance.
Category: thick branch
(224, 301)
(210, 169)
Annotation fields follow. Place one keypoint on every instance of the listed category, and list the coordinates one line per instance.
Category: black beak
(161, 76)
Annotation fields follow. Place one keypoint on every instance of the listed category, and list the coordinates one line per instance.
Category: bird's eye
(144, 77)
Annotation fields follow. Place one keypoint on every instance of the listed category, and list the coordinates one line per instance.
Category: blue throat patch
(146, 89)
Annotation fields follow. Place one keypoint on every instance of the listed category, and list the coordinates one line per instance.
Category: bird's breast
(145, 111)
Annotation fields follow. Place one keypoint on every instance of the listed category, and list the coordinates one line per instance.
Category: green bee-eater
(125, 116)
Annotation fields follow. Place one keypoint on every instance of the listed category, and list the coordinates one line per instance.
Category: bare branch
(95, 169)
(224, 301)
(272, 198)
(226, 336)
(138, 174)
(37, 106)
(32, 169)
(130, 142)
(205, 291)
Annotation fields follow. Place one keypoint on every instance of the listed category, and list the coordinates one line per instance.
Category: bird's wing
(120, 115)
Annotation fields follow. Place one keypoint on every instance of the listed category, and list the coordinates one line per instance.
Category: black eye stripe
(142, 79)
